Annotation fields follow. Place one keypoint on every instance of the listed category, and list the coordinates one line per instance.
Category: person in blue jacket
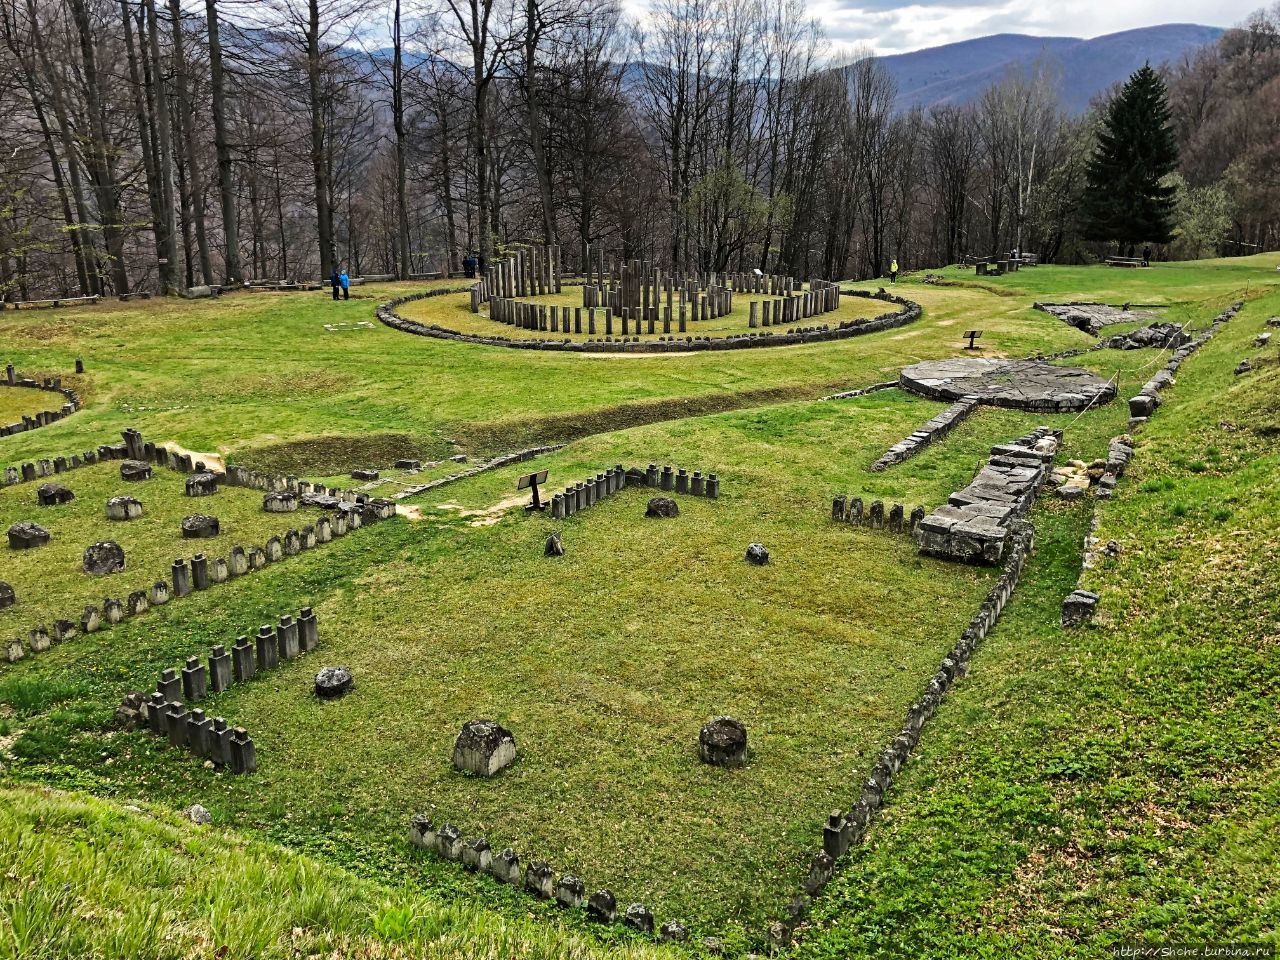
(346, 284)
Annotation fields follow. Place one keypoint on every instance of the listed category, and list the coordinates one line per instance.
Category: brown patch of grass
(505, 435)
(331, 455)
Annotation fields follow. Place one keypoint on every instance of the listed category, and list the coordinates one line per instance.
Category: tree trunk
(29, 79)
(232, 273)
(102, 174)
(155, 190)
(537, 130)
(397, 116)
(319, 164)
(159, 103)
(195, 184)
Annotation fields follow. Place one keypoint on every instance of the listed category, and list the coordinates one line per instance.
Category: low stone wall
(896, 520)
(934, 429)
(581, 496)
(908, 312)
(535, 877)
(506, 460)
(166, 712)
(976, 524)
(1148, 398)
(45, 417)
(842, 830)
(874, 388)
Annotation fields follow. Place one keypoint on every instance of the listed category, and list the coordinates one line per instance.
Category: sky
(889, 27)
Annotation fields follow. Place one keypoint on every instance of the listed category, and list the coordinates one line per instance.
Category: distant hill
(958, 72)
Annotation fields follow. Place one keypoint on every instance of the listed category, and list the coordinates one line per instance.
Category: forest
(160, 146)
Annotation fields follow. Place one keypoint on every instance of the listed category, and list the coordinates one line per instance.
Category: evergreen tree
(1125, 197)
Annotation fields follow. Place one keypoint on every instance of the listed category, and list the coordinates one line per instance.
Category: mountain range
(958, 72)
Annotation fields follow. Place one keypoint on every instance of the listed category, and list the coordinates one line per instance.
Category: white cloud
(889, 29)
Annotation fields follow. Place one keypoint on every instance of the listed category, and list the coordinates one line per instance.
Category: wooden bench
(1125, 262)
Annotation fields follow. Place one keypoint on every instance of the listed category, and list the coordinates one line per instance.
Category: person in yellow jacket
(893, 270)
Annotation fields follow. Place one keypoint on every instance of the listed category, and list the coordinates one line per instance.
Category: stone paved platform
(1092, 317)
(1019, 384)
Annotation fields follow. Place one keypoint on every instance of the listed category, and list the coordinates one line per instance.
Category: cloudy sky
(891, 27)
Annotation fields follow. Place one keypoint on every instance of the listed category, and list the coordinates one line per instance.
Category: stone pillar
(837, 508)
(157, 708)
(244, 756)
(199, 733)
(682, 481)
(668, 478)
(895, 518)
(242, 663)
(855, 511)
(194, 680)
(176, 723)
(200, 571)
(651, 475)
(287, 635)
(697, 484)
(181, 578)
(169, 685)
(713, 486)
(308, 630)
(875, 515)
(268, 649)
(219, 669)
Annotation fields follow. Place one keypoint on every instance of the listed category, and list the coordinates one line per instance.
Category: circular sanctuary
(523, 302)
(1018, 384)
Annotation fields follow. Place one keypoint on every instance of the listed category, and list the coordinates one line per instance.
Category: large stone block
(1078, 608)
(103, 558)
(124, 508)
(199, 526)
(53, 495)
(135, 470)
(483, 747)
(723, 742)
(202, 485)
(279, 503)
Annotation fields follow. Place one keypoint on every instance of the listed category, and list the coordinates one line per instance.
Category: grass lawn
(1045, 793)
(17, 402)
(454, 313)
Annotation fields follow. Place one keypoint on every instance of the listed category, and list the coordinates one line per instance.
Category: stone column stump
(723, 743)
(483, 747)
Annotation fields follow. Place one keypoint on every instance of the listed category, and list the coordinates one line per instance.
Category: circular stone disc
(1020, 384)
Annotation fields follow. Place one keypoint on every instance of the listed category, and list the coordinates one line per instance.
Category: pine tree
(1125, 198)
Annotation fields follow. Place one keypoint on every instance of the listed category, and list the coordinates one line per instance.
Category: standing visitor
(334, 282)
(893, 270)
(346, 285)
(1146, 256)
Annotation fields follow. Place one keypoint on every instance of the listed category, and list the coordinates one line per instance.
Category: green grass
(454, 313)
(1067, 771)
(17, 402)
(166, 889)
(50, 581)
